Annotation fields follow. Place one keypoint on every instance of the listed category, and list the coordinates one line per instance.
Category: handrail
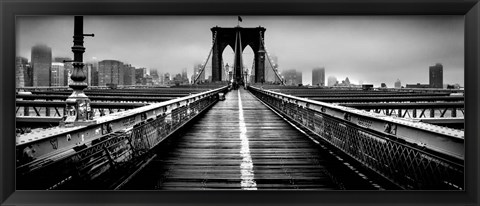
(409, 153)
(59, 139)
(441, 139)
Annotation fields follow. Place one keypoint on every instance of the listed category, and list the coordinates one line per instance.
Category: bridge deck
(241, 144)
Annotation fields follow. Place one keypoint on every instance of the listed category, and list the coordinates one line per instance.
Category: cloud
(370, 48)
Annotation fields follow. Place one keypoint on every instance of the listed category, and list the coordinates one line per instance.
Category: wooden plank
(207, 155)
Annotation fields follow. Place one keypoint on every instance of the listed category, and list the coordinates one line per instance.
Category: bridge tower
(242, 37)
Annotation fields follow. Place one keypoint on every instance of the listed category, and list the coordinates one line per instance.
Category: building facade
(129, 77)
(332, 81)
(140, 73)
(21, 72)
(41, 62)
(57, 74)
(292, 77)
(318, 76)
(110, 72)
(68, 68)
(398, 84)
(436, 76)
(418, 85)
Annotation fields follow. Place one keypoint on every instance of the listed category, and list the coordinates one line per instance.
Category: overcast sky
(372, 49)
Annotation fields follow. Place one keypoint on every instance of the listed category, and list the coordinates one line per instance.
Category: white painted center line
(246, 168)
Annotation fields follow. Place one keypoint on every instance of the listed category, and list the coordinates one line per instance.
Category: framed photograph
(199, 103)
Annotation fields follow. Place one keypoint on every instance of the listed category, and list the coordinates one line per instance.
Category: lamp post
(78, 110)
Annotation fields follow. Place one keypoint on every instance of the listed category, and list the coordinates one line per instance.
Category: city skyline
(369, 49)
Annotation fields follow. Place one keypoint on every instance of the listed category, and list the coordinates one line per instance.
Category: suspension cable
(269, 60)
(208, 58)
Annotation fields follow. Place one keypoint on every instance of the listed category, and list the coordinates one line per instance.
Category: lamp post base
(78, 111)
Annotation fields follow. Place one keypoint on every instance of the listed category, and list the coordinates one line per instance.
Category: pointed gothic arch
(249, 36)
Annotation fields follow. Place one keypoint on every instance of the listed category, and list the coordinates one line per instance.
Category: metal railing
(412, 155)
(124, 140)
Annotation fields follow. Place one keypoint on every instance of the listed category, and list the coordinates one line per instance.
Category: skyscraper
(436, 76)
(129, 77)
(41, 63)
(57, 74)
(21, 72)
(318, 76)
(140, 73)
(110, 72)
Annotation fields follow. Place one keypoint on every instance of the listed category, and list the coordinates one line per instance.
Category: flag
(239, 18)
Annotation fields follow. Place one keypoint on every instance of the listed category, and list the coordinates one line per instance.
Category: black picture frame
(10, 8)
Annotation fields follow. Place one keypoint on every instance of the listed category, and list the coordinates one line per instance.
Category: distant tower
(57, 74)
(20, 71)
(318, 76)
(41, 63)
(436, 76)
(398, 84)
(110, 72)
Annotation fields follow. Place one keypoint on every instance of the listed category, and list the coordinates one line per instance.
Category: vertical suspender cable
(269, 60)
(209, 54)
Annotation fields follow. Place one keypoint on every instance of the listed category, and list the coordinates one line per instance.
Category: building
(178, 79)
(147, 80)
(185, 76)
(41, 63)
(332, 81)
(140, 73)
(398, 84)
(166, 78)
(318, 76)
(57, 74)
(344, 83)
(94, 74)
(292, 77)
(68, 69)
(155, 76)
(270, 75)
(383, 85)
(21, 72)
(196, 71)
(436, 76)
(227, 73)
(129, 76)
(110, 72)
(418, 85)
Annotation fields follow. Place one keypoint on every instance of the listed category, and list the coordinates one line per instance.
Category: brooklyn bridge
(236, 134)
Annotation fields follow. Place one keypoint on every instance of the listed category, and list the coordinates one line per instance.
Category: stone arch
(249, 36)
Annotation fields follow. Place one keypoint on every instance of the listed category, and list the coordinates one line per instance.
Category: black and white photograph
(240, 102)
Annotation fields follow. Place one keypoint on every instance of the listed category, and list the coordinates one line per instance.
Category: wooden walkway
(241, 144)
